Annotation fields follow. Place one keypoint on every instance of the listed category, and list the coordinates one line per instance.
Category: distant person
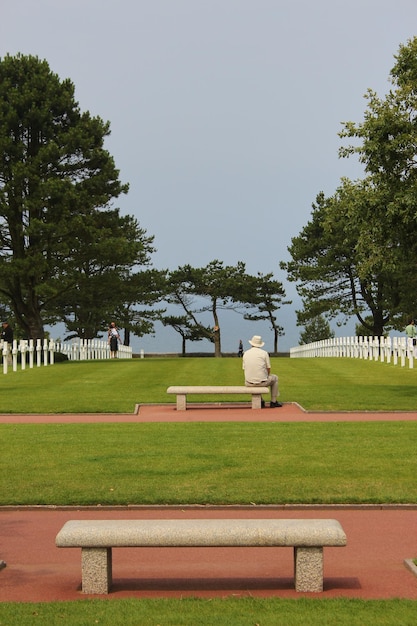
(411, 332)
(240, 349)
(113, 340)
(7, 335)
(257, 367)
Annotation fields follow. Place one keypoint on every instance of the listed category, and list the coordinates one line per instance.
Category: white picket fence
(38, 353)
(396, 350)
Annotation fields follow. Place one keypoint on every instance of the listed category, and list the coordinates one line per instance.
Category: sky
(224, 118)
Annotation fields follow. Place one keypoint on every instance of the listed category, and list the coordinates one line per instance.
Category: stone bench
(96, 538)
(182, 392)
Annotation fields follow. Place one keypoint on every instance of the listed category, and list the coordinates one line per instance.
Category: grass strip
(227, 612)
(116, 386)
(208, 463)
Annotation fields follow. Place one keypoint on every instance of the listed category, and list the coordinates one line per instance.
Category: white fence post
(38, 352)
(31, 349)
(51, 349)
(410, 352)
(5, 350)
(388, 349)
(395, 350)
(403, 350)
(23, 349)
(14, 355)
(45, 352)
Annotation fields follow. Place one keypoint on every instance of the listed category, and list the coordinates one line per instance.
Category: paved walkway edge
(213, 507)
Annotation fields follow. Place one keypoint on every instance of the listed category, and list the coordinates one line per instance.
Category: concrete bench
(182, 392)
(96, 538)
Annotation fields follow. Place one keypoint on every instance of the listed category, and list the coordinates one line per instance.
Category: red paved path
(371, 566)
(212, 413)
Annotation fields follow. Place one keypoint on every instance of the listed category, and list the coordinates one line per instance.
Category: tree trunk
(216, 332)
(217, 342)
(32, 324)
(275, 341)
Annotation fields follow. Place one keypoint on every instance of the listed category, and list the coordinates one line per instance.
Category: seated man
(257, 368)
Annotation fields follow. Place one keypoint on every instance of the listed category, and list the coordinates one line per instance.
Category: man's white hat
(256, 341)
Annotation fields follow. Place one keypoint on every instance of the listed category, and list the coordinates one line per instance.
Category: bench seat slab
(200, 533)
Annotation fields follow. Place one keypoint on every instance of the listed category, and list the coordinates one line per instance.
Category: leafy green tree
(333, 277)
(186, 327)
(316, 329)
(55, 175)
(207, 290)
(386, 143)
(267, 296)
(106, 247)
(362, 242)
(142, 289)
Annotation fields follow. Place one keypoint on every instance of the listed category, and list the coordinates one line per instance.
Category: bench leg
(181, 402)
(96, 570)
(256, 401)
(308, 569)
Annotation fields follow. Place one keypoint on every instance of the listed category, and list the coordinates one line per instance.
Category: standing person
(411, 332)
(7, 335)
(257, 367)
(113, 340)
(240, 349)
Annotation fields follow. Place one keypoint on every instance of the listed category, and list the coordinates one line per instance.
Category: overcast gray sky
(224, 116)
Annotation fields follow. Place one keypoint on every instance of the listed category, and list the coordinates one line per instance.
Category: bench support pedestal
(308, 569)
(181, 402)
(256, 401)
(96, 570)
(96, 566)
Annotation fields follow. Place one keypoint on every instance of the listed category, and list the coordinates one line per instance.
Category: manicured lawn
(208, 463)
(117, 386)
(213, 612)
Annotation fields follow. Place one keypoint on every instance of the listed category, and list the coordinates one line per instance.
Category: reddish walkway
(371, 566)
(211, 413)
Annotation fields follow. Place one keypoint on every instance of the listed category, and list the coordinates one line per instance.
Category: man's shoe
(274, 405)
(262, 404)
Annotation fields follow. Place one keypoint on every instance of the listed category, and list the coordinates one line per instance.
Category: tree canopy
(267, 297)
(206, 290)
(316, 329)
(357, 255)
(62, 244)
(333, 277)
(386, 143)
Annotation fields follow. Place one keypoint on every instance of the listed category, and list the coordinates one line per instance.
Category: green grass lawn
(321, 384)
(208, 463)
(212, 612)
